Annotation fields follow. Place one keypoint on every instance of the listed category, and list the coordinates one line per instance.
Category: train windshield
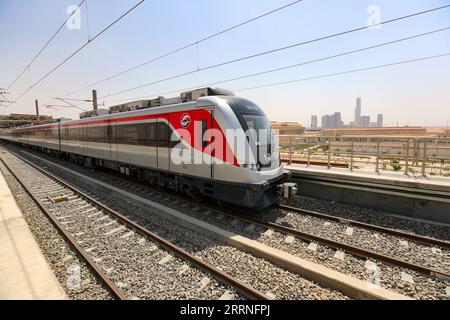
(259, 128)
(256, 125)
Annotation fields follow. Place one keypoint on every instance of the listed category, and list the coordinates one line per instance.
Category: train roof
(202, 102)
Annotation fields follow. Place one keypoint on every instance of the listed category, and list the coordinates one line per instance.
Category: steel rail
(407, 235)
(72, 242)
(309, 237)
(247, 291)
(339, 245)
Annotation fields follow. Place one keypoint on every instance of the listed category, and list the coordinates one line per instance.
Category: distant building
(288, 128)
(288, 132)
(358, 112)
(332, 121)
(338, 123)
(313, 122)
(386, 131)
(380, 121)
(326, 122)
(365, 122)
(17, 119)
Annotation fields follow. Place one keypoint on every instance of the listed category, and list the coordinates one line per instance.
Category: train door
(109, 140)
(182, 151)
(202, 133)
(83, 141)
(114, 141)
(163, 143)
(151, 144)
(59, 136)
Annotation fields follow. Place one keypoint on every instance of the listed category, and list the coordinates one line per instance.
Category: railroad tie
(164, 260)
(115, 230)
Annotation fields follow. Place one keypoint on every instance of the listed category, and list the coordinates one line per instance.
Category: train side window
(163, 135)
(109, 133)
(127, 134)
(96, 134)
(141, 134)
(74, 134)
(130, 133)
(151, 134)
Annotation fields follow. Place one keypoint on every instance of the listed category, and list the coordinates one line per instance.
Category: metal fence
(412, 155)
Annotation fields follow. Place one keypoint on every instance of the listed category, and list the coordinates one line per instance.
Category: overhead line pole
(94, 100)
(36, 102)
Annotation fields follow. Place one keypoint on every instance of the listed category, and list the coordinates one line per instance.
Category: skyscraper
(326, 122)
(332, 121)
(380, 121)
(365, 122)
(358, 112)
(337, 120)
(313, 122)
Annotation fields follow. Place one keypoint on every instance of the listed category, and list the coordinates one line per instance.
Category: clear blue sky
(416, 94)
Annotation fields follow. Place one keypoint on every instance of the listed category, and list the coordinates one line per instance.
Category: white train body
(197, 147)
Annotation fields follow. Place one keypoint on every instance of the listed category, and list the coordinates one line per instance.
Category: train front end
(257, 174)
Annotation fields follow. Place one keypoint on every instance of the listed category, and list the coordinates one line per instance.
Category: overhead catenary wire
(196, 43)
(273, 51)
(45, 46)
(332, 56)
(78, 50)
(345, 72)
(323, 58)
(307, 78)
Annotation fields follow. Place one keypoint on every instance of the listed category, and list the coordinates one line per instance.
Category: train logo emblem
(185, 120)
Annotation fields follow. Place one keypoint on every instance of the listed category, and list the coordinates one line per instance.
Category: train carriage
(209, 144)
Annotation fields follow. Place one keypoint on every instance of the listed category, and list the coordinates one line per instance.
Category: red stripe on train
(173, 118)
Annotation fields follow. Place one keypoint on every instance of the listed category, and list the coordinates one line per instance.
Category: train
(206, 143)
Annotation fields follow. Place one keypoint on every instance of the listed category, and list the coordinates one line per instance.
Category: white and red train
(210, 144)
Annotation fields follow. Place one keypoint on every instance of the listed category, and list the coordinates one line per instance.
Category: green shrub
(396, 165)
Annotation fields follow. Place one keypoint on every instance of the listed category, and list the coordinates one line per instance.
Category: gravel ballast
(398, 279)
(274, 281)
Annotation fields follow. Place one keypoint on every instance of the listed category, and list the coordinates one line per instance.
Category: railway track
(321, 240)
(53, 195)
(143, 190)
(336, 244)
(407, 235)
(340, 245)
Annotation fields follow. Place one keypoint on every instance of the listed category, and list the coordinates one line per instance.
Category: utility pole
(94, 99)
(36, 102)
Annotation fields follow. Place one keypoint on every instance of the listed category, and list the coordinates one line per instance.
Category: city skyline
(359, 121)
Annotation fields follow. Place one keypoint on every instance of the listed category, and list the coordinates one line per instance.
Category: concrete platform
(24, 272)
(425, 198)
(433, 183)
